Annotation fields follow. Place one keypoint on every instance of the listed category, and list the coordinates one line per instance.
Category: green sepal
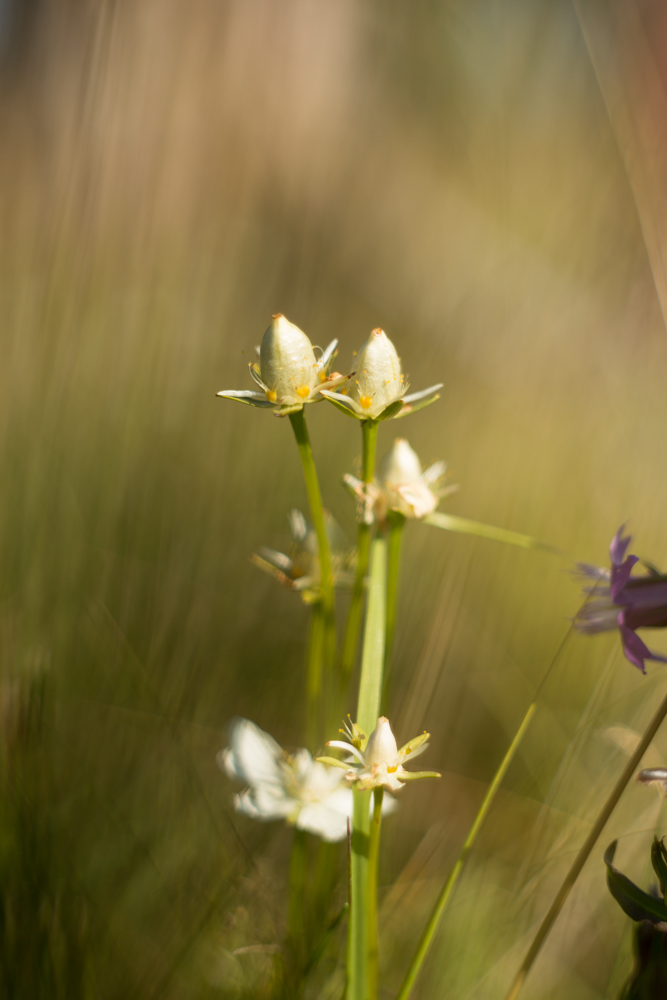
(347, 410)
(414, 744)
(334, 762)
(264, 404)
(413, 775)
(638, 905)
(419, 404)
(659, 862)
(391, 411)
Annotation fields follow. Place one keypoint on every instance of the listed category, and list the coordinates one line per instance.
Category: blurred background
(482, 180)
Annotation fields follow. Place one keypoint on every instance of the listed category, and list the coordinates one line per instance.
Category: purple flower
(619, 600)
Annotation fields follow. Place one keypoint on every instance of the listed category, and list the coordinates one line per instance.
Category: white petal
(253, 755)
(319, 818)
(381, 747)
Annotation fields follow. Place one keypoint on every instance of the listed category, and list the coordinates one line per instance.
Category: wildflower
(401, 486)
(300, 570)
(378, 392)
(288, 374)
(619, 600)
(376, 761)
(292, 787)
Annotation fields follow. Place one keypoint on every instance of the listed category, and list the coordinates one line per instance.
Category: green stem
(585, 850)
(447, 889)
(368, 708)
(296, 923)
(372, 897)
(300, 429)
(314, 720)
(369, 429)
(396, 524)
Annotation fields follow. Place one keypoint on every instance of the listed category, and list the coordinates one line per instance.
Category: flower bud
(379, 380)
(401, 465)
(381, 747)
(287, 364)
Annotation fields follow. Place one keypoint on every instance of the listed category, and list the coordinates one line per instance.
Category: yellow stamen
(303, 391)
(365, 401)
(271, 395)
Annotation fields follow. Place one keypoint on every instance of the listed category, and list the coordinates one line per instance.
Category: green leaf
(659, 862)
(461, 524)
(638, 905)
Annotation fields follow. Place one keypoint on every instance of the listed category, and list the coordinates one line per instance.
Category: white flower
(292, 787)
(300, 570)
(377, 762)
(401, 486)
(378, 391)
(289, 374)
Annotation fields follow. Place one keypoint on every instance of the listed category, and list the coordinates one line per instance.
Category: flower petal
(620, 574)
(619, 546)
(252, 756)
(414, 396)
(635, 650)
(327, 354)
(348, 749)
(324, 821)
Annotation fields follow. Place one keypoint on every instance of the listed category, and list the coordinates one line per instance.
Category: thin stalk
(369, 430)
(396, 524)
(368, 708)
(585, 850)
(296, 923)
(372, 897)
(300, 429)
(314, 661)
(447, 889)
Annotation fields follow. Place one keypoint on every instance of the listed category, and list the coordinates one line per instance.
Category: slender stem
(585, 850)
(357, 958)
(372, 897)
(447, 889)
(368, 707)
(300, 429)
(369, 429)
(296, 923)
(396, 524)
(315, 656)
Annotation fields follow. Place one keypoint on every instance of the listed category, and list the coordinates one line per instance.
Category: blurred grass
(170, 175)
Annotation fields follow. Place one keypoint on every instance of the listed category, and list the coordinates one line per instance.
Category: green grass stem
(396, 525)
(368, 708)
(585, 850)
(372, 897)
(448, 888)
(300, 429)
(369, 429)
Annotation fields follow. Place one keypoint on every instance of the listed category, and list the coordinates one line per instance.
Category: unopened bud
(287, 363)
(381, 747)
(379, 380)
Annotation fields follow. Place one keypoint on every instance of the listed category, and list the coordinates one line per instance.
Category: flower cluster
(401, 486)
(300, 570)
(618, 600)
(376, 761)
(289, 375)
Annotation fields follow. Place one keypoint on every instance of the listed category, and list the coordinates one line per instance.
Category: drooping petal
(344, 403)
(348, 748)
(635, 650)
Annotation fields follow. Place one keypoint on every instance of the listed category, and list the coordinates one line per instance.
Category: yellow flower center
(303, 391)
(365, 401)
(271, 395)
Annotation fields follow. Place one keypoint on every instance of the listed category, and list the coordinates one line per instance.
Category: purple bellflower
(619, 600)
